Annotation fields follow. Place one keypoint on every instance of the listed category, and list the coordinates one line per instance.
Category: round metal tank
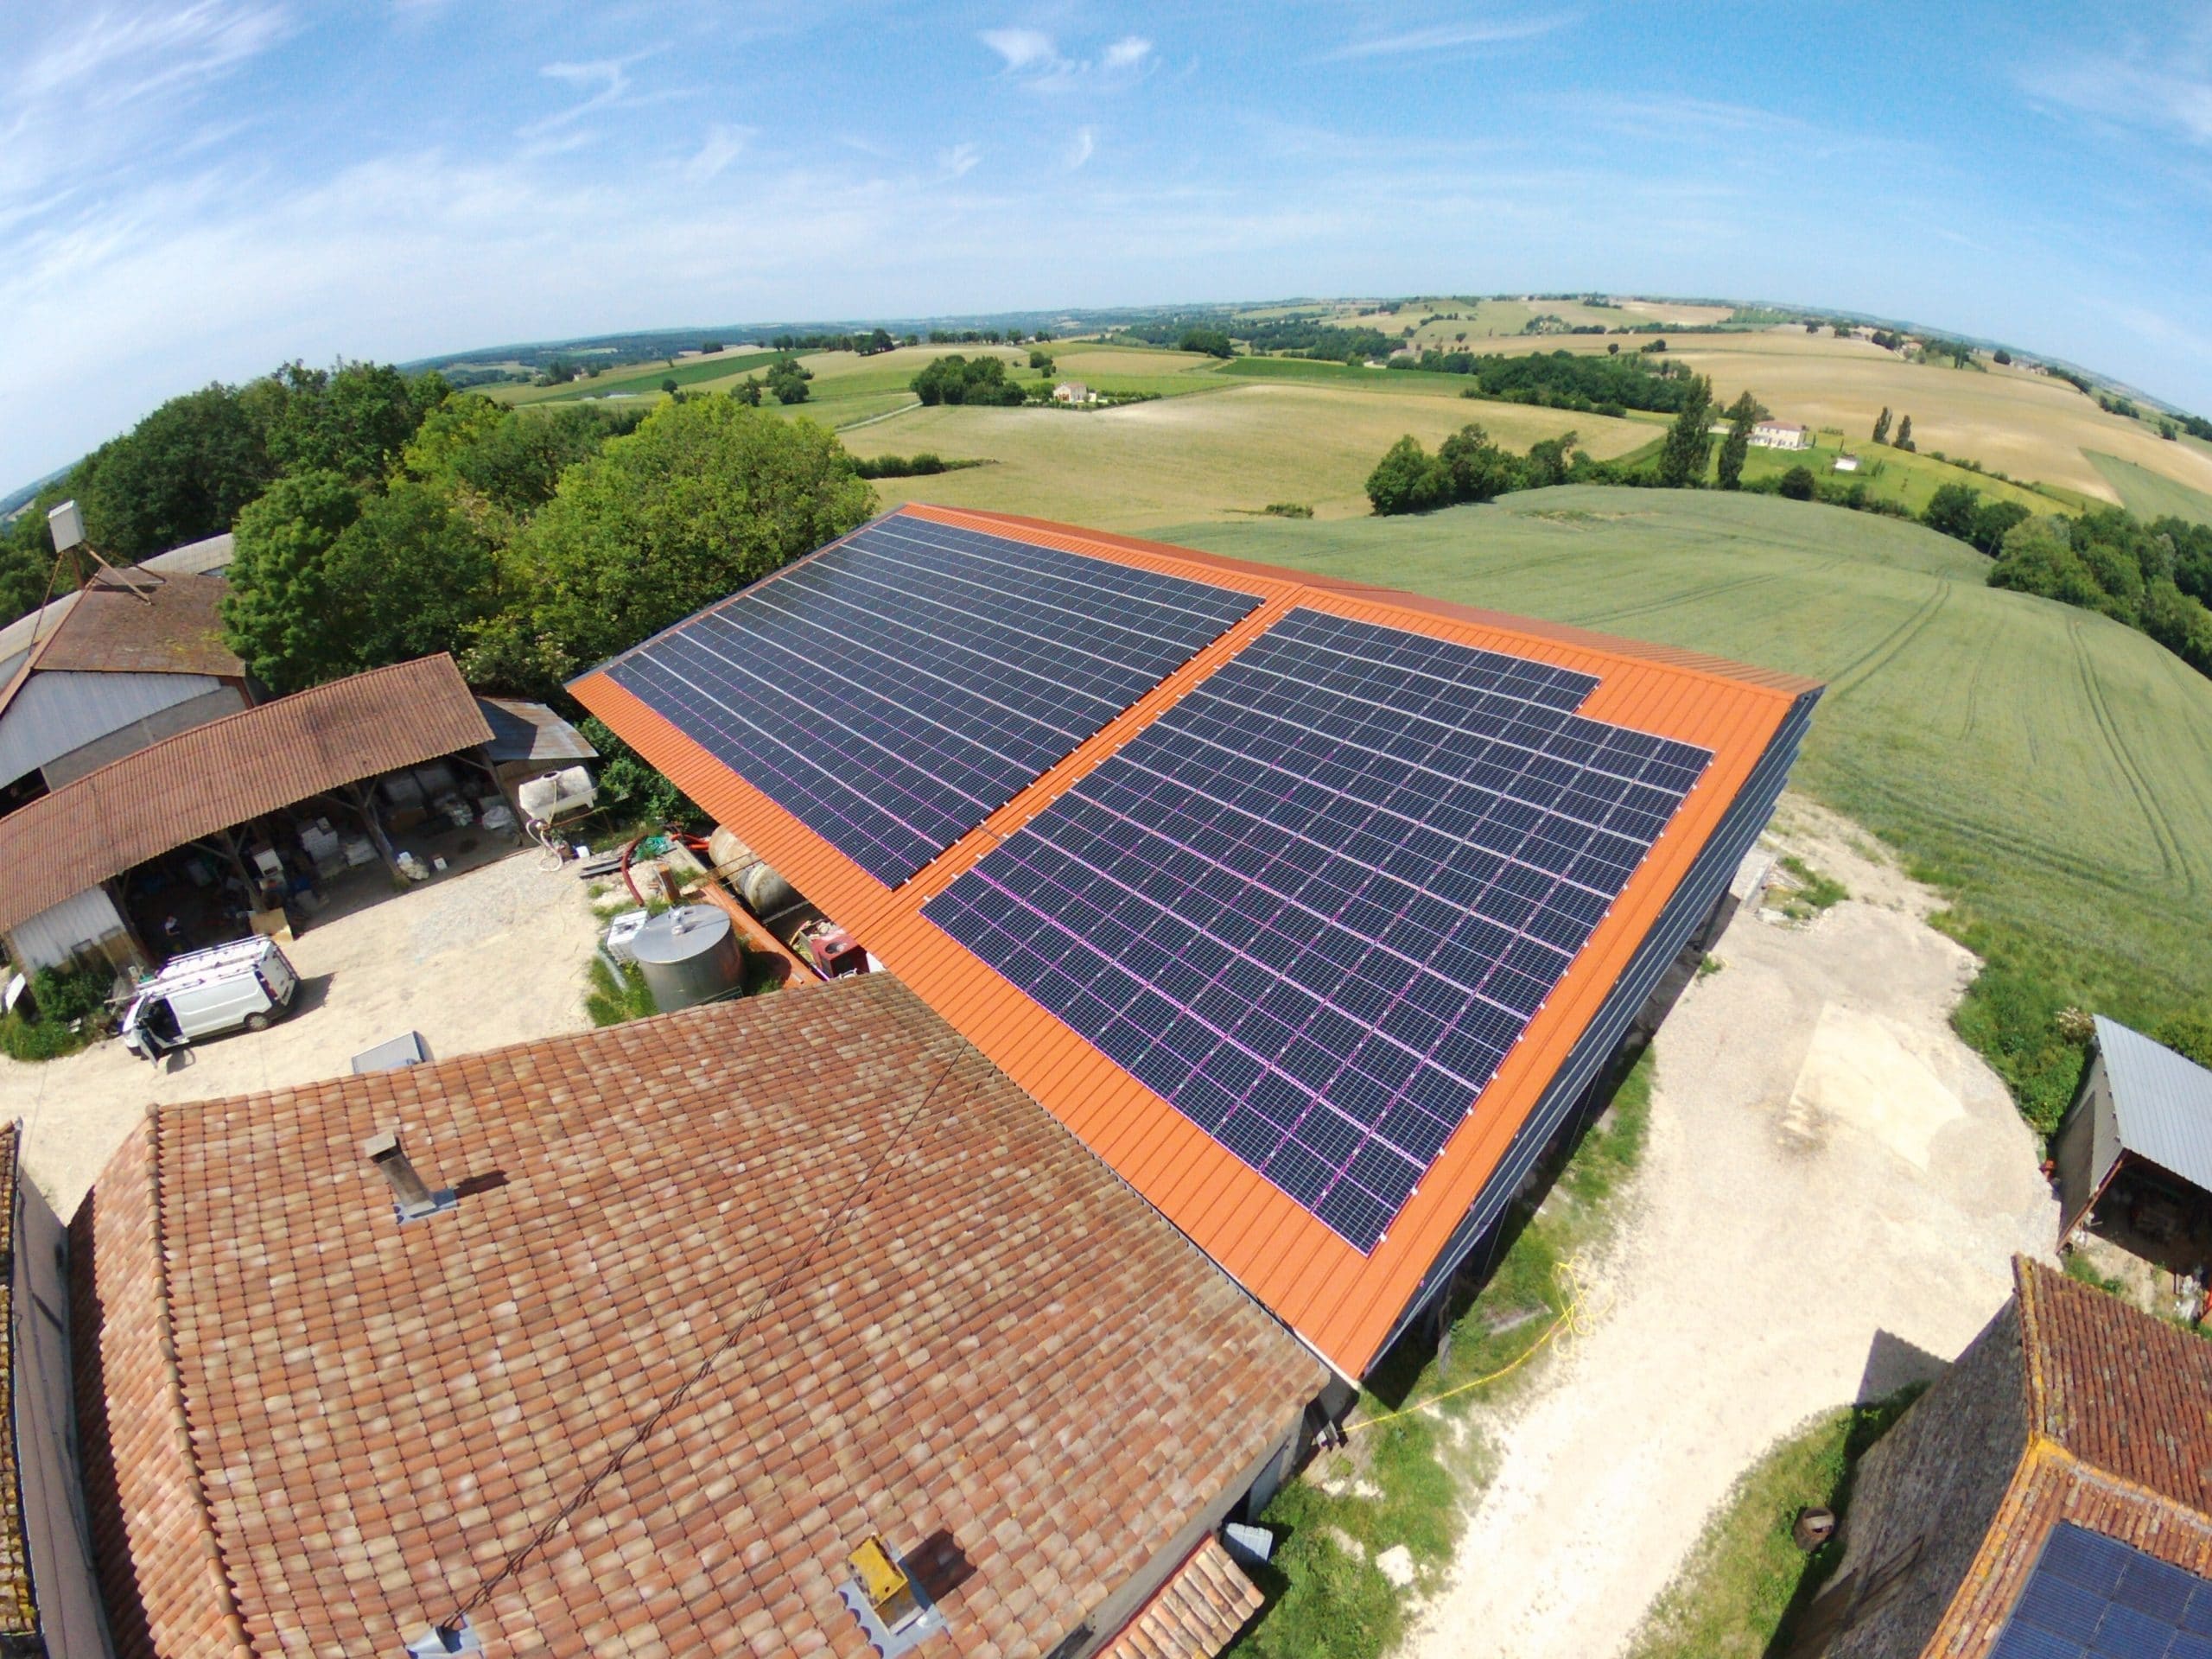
(723, 848)
(765, 893)
(688, 956)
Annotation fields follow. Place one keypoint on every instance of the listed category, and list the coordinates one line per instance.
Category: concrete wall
(56, 1530)
(1925, 1495)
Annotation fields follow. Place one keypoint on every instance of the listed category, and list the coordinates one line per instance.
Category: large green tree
(354, 419)
(277, 615)
(1682, 457)
(181, 473)
(409, 576)
(1409, 479)
(1743, 416)
(704, 496)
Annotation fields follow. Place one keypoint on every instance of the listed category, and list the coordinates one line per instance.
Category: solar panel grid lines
(1315, 902)
(898, 687)
(2091, 1597)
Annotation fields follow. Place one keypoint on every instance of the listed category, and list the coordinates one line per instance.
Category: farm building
(2050, 1497)
(700, 1305)
(1317, 911)
(1073, 391)
(2134, 1151)
(193, 838)
(1781, 435)
(134, 656)
(1846, 463)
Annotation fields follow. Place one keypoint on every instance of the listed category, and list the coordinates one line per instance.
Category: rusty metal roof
(1344, 1304)
(228, 771)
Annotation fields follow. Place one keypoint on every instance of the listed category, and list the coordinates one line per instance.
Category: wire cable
(895, 1151)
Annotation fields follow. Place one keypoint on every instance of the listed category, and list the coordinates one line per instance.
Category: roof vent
(410, 1200)
(453, 1637)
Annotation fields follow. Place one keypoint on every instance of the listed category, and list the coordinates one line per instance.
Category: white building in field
(1846, 463)
(1780, 434)
(1073, 391)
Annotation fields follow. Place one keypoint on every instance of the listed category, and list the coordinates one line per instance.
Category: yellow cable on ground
(1571, 1318)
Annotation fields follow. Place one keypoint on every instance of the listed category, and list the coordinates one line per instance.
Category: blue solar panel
(2090, 1597)
(1314, 903)
(893, 691)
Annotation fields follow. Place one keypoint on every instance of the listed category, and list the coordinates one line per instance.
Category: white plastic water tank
(553, 797)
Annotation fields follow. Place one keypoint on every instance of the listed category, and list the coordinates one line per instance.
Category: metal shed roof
(2162, 1102)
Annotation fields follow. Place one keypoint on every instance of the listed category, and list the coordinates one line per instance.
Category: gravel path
(492, 956)
(1833, 1191)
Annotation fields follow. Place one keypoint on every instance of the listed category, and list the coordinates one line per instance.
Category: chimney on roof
(410, 1196)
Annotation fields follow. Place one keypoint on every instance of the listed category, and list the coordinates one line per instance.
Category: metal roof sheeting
(530, 731)
(229, 771)
(2162, 1102)
(58, 711)
(1342, 1302)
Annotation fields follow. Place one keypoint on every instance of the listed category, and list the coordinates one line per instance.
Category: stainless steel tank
(688, 956)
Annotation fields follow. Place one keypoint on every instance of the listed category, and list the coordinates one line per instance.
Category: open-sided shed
(2139, 1132)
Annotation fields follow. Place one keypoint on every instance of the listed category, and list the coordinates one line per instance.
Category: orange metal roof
(1343, 1303)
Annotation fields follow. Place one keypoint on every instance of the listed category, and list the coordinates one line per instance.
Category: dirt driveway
(1833, 1190)
(490, 957)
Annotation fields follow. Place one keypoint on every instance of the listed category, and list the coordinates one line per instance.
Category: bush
(1798, 484)
(1409, 480)
(958, 379)
(632, 791)
(1210, 342)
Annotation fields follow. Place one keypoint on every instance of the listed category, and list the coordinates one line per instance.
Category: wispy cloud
(2167, 90)
(113, 59)
(1436, 39)
(723, 145)
(604, 81)
(1083, 147)
(1035, 59)
(958, 160)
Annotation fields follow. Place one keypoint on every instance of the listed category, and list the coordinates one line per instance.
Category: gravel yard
(1834, 1187)
(492, 956)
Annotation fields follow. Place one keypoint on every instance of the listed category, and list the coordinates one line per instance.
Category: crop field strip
(1314, 903)
(894, 690)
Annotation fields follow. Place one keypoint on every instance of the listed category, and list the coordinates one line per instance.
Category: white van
(247, 983)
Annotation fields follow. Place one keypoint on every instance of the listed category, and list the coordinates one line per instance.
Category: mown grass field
(1227, 453)
(640, 378)
(2151, 495)
(2049, 768)
(2028, 425)
(1893, 474)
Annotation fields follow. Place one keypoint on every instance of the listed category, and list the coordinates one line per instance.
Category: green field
(2050, 768)
(688, 371)
(1899, 476)
(2148, 495)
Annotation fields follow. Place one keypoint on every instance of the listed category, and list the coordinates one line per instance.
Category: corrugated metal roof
(531, 731)
(228, 771)
(2163, 1103)
(1342, 1302)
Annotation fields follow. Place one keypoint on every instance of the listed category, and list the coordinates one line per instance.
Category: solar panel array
(2091, 1597)
(893, 691)
(1314, 903)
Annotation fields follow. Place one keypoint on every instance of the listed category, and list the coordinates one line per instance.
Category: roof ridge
(2032, 1351)
(181, 1420)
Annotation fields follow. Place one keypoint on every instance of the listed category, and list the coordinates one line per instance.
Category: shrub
(1409, 480)
(1798, 484)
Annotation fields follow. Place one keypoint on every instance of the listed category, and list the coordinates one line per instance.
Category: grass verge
(1811, 891)
(1746, 1583)
(1407, 1482)
(616, 996)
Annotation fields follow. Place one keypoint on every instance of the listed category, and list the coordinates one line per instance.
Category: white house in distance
(1781, 435)
(1073, 391)
(1846, 463)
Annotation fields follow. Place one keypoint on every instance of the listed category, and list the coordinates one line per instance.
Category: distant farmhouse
(1781, 435)
(1073, 391)
(2050, 1497)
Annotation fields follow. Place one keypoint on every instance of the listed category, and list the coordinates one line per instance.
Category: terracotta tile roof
(1196, 1614)
(1344, 1303)
(727, 1291)
(2127, 1393)
(18, 1612)
(228, 771)
(138, 622)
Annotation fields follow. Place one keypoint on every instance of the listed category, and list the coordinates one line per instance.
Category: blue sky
(198, 189)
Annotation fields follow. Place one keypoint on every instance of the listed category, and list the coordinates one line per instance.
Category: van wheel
(257, 1021)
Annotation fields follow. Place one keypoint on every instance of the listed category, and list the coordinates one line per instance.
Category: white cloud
(604, 80)
(958, 160)
(1083, 147)
(1439, 38)
(2169, 94)
(1023, 49)
(112, 59)
(1127, 53)
(723, 145)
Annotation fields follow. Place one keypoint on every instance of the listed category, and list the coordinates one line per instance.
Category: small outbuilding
(2134, 1151)
(1073, 391)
